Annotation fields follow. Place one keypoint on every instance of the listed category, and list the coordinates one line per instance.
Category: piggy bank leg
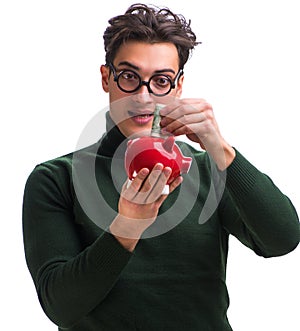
(166, 190)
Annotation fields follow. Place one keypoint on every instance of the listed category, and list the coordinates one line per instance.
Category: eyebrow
(128, 64)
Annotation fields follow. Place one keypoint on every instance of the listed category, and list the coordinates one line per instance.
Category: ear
(104, 70)
(179, 86)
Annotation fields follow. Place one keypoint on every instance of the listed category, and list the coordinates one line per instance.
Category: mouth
(141, 118)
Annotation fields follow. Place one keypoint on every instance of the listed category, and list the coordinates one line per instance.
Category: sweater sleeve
(70, 280)
(257, 212)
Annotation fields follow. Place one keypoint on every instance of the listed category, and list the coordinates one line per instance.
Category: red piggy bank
(146, 151)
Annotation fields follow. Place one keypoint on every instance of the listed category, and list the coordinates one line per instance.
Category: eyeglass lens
(130, 81)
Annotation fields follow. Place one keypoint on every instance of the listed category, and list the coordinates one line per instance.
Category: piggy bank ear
(129, 142)
(168, 144)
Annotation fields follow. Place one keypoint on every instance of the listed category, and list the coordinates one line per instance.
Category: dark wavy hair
(152, 25)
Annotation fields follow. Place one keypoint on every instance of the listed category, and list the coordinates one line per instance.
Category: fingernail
(144, 172)
(167, 170)
(164, 131)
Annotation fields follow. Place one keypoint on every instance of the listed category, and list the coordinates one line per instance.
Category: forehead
(148, 57)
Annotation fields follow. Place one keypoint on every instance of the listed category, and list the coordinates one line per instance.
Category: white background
(247, 68)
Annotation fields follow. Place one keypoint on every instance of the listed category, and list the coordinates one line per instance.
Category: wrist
(229, 156)
(127, 243)
(223, 154)
(128, 231)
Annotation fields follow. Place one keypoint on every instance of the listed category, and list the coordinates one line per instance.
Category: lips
(141, 117)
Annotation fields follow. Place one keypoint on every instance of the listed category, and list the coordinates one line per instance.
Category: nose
(144, 87)
(143, 95)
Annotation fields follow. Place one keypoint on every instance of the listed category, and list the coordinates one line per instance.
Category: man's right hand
(140, 202)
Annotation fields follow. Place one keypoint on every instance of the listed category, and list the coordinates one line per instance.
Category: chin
(136, 131)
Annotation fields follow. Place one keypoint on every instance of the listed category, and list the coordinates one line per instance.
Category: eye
(129, 76)
(161, 81)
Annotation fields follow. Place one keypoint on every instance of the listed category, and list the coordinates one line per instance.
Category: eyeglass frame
(143, 82)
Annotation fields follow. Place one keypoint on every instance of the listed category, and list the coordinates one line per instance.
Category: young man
(134, 258)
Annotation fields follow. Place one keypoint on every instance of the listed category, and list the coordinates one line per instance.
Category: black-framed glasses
(129, 81)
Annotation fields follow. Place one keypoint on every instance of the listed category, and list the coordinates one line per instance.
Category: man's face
(133, 112)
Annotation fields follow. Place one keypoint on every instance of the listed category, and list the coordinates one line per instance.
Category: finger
(190, 104)
(159, 185)
(152, 177)
(130, 191)
(141, 191)
(185, 120)
(201, 130)
(182, 116)
(175, 183)
(187, 108)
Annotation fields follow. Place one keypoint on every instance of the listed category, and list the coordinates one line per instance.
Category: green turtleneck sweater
(176, 277)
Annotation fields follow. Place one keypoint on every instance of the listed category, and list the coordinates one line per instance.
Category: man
(134, 258)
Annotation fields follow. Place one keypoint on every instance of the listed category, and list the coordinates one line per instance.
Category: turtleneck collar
(111, 139)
